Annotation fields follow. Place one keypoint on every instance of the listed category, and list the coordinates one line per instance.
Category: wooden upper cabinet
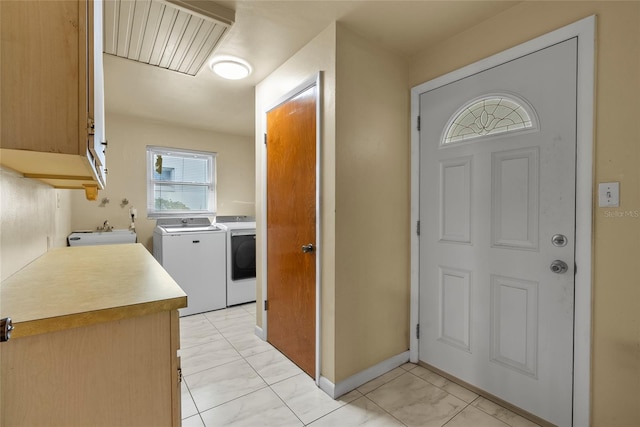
(52, 91)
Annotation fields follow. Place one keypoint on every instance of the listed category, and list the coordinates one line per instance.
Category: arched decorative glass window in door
(489, 115)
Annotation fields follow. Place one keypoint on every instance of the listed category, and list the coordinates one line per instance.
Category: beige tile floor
(232, 378)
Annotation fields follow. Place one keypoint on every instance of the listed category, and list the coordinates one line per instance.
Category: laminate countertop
(84, 285)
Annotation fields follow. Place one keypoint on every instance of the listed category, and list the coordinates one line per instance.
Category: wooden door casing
(291, 223)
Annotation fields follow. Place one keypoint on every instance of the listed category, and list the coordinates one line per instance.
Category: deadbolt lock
(559, 240)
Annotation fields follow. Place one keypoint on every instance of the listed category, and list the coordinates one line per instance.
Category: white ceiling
(266, 34)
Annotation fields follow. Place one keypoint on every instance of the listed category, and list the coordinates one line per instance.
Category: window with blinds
(180, 183)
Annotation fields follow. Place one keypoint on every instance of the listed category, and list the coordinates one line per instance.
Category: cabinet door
(117, 373)
(50, 65)
(95, 101)
(43, 75)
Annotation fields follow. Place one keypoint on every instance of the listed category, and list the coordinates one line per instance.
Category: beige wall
(317, 55)
(126, 161)
(365, 180)
(372, 205)
(616, 285)
(33, 218)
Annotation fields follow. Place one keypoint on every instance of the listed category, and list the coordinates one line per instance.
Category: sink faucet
(106, 226)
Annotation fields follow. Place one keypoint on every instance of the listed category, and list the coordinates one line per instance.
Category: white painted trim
(260, 333)
(263, 221)
(316, 81)
(585, 31)
(414, 258)
(318, 251)
(362, 377)
(327, 386)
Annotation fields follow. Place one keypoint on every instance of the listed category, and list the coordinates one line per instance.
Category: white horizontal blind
(180, 183)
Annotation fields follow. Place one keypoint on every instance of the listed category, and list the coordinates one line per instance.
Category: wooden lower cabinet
(118, 373)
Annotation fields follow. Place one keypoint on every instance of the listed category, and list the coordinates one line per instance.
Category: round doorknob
(307, 248)
(559, 267)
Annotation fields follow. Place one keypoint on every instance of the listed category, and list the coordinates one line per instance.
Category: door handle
(559, 267)
(308, 248)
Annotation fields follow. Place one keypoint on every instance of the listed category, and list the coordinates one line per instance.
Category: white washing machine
(241, 258)
(193, 251)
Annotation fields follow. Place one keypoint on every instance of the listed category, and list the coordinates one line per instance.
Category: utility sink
(116, 236)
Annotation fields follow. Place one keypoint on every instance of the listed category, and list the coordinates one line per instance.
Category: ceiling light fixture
(229, 67)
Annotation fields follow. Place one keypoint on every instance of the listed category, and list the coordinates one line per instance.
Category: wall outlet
(609, 194)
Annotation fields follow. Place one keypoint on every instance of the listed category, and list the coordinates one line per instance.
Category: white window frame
(527, 108)
(152, 212)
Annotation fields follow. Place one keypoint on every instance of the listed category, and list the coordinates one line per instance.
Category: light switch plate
(609, 194)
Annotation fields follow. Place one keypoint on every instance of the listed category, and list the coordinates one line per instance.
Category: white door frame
(584, 30)
(316, 81)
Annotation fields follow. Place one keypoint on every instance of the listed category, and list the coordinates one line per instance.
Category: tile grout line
(285, 404)
(491, 415)
(241, 317)
(241, 358)
(267, 385)
(387, 412)
(274, 392)
(244, 358)
(457, 413)
(467, 404)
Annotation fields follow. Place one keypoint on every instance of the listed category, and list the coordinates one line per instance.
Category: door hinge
(418, 228)
(266, 305)
(265, 139)
(418, 122)
(91, 126)
(179, 375)
(418, 331)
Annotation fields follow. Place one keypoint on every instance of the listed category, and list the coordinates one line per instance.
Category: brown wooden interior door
(291, 224)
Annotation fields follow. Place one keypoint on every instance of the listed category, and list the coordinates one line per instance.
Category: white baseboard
(260, 333)
(362, 377)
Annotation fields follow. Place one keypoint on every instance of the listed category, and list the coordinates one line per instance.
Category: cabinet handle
(6, 326)
(196, 241)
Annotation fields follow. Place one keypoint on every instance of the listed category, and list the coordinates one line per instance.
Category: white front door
(497, 183)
